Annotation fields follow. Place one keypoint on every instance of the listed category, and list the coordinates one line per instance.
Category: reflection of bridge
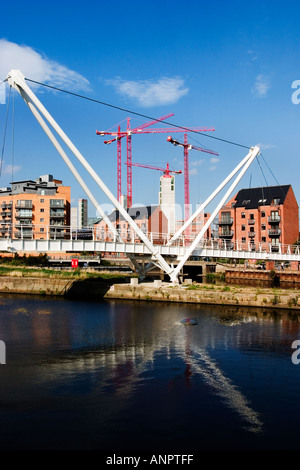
(158, 253)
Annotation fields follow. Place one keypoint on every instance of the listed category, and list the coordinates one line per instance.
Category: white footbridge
(163, 255)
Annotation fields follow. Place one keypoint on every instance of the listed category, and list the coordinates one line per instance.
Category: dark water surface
(120, 375)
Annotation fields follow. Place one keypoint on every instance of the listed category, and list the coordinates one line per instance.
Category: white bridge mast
(17, 80)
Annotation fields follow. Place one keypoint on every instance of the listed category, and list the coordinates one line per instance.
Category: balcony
(23, 234)
(274, 220)
(22, 216)
(24, 223)
(24, 205)
(251, 221)
(57, 203)
(57, 235)
(251, 234)
(226, 234)
(225, 221)
(274, 232)
(58, 214)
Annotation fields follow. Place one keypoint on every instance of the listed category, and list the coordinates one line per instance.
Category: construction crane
(138, 130)
(166, 171)
(187, 147)
(118, 136)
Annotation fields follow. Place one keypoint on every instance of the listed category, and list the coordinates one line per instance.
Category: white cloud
(149, 92)
(261, 86)
(10, 169)
(214, 160)
(266, 146)
(213, 168)
(193, 172)
(37, 66)
(197, 162)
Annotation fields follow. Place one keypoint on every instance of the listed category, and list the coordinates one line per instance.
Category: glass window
(42, 210)
(243, 228)
(243, 215)
(263, 214)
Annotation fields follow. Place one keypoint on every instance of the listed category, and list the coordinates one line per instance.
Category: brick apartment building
(258, 216)
(148, 219)
(37, 209)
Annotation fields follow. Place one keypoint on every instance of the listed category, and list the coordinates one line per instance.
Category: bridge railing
(58, 231)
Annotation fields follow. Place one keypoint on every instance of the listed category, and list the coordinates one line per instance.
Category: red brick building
(259, 216)
(148, 219)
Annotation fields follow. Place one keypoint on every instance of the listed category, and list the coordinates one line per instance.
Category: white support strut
(208, 200)
(17, 80)
(67, 161)
(254, 151)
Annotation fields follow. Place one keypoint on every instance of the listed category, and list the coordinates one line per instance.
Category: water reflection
(110, 356)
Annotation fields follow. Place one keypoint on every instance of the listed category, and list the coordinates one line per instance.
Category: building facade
(82, 213)
(260, 216)
(166, 200)
(150, 219)
(37, 209)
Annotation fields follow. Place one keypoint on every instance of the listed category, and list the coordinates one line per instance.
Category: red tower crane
(187, 147)
(118, 136)
(138, 130)
(166, 170)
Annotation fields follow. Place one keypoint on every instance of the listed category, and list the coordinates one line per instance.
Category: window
(42, 210)
(263, 227)
(263, 214)
(263, 239)
(42, 200)
(245, 202)
(243, 215)
(251, 229)
(262, 201)
(243, 239)
(276, 201)
(252, 216)
(243, 228)
(42, 230)
(41, 220)
(42, 192)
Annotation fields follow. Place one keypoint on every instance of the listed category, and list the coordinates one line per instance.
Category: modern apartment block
(37, 209)
(258, 216)
(82, 213)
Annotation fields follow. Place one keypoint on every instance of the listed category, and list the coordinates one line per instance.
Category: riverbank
(208, 294)
(123, 288)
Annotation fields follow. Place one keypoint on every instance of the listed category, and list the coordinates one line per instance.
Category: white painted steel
(17, 80)
(252, 155)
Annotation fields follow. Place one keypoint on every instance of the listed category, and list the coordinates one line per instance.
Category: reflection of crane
(166, 170)
(187, 147)
(118, 136)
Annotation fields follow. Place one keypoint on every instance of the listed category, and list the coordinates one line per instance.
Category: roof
(252, 198)
(136, 213)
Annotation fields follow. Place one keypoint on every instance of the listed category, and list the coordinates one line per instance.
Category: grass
(55, 274)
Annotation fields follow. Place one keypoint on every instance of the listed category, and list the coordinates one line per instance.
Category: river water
(129, 375)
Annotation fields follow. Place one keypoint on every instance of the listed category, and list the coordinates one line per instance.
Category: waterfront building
(38, 209)
(166, 199)
(82, 213)
(260, 216)
(150, 219)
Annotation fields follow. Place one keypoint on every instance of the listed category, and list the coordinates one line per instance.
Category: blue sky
(223, 65)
